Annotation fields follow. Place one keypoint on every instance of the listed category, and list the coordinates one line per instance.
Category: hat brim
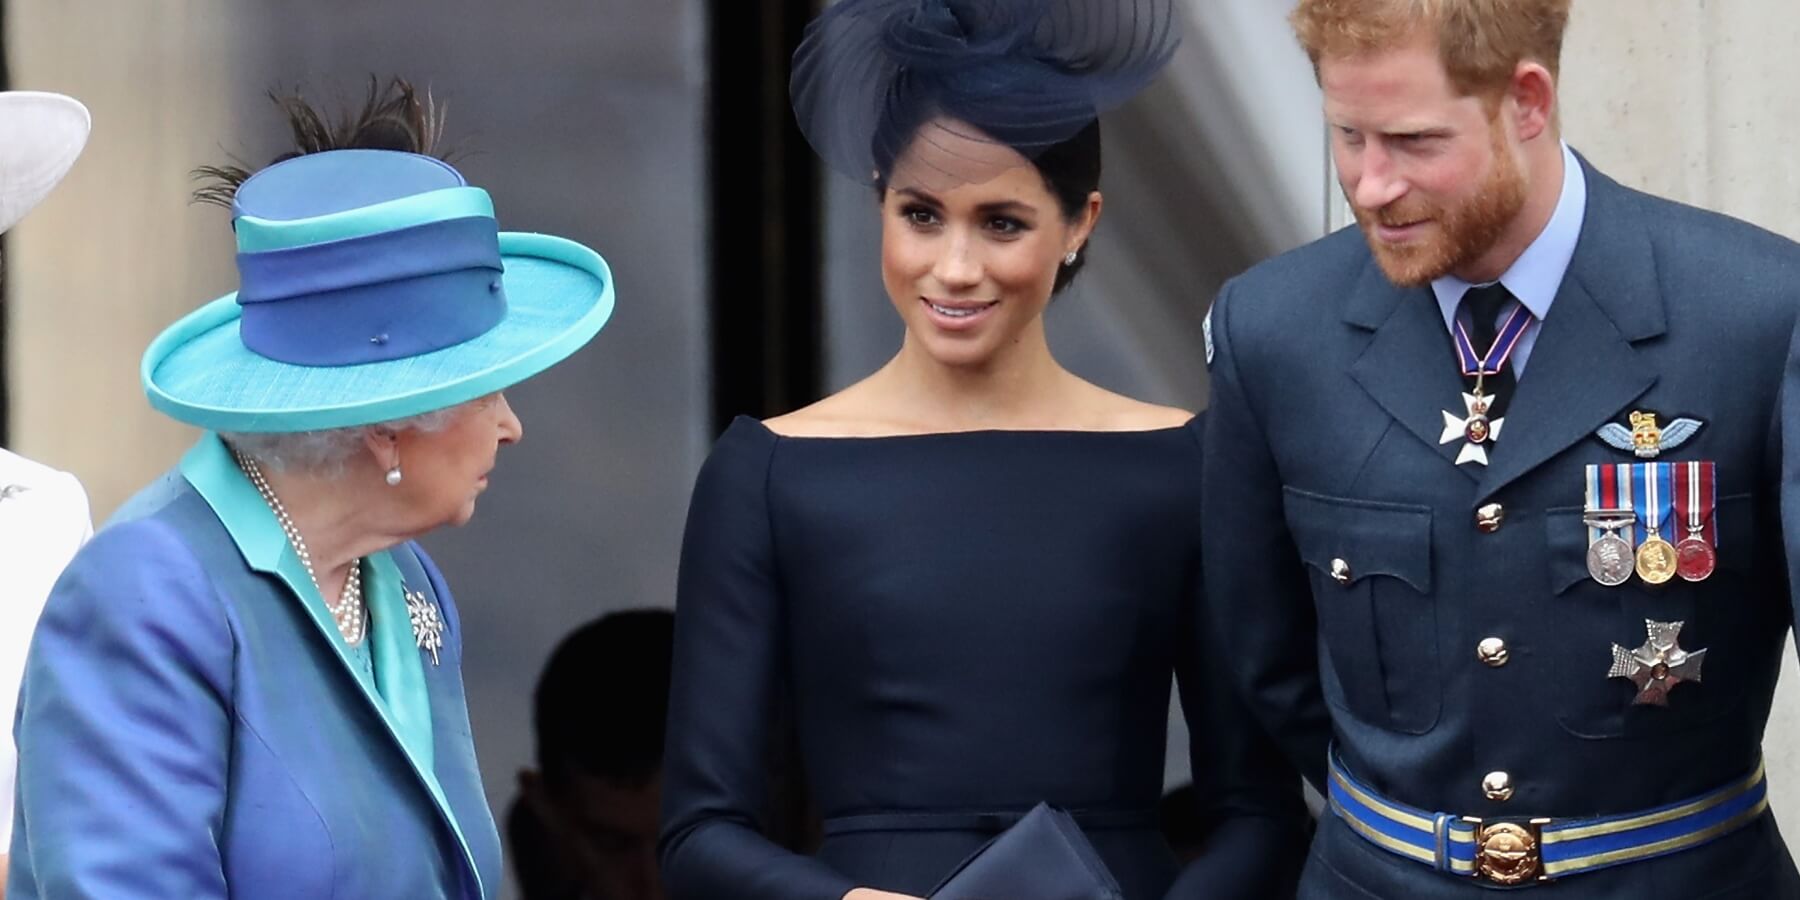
(559, 295)
(41, 134)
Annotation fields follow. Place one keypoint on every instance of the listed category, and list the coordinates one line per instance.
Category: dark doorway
(765, 205)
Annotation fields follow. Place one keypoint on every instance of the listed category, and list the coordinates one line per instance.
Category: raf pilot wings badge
(1645, 438)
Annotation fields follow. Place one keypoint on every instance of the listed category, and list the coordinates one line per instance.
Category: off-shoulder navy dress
(963, 624)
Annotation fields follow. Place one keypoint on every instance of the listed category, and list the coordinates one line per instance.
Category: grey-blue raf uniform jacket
(1323, 458)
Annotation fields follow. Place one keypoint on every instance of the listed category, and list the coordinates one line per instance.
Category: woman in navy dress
(970, 576)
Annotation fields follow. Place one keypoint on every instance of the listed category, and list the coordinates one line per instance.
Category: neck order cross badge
(1476, 428)
(427, 625)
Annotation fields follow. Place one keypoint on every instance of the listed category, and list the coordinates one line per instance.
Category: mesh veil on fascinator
(872, 77)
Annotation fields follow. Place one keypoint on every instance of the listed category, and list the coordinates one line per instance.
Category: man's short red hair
(1481, 42)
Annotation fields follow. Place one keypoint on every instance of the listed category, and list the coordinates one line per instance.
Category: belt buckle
(1509, 853)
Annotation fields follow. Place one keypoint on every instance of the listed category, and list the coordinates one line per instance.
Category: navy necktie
(1483, 306)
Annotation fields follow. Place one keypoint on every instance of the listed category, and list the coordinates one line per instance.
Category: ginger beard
(1462, 232)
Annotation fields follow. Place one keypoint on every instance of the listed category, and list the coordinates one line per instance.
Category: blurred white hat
(40, 136)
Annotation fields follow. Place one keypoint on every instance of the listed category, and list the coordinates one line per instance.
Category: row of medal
(1652, 518)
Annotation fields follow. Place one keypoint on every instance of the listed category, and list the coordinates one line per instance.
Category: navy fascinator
(872, 77)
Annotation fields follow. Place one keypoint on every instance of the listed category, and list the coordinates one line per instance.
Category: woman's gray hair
(325, 452)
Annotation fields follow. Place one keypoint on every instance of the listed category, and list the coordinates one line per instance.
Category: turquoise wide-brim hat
(374, 285)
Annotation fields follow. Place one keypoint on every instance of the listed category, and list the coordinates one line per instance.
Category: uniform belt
(992, 822)
(1525, 851)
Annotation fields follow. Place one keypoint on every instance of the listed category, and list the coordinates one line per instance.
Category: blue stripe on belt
(1563, 846)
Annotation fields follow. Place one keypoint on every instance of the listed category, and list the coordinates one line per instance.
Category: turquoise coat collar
(399, 694)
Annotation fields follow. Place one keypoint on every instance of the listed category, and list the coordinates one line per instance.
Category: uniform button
(1489, 517)
(1340, 571)
(1497, 786)
(1493, 652)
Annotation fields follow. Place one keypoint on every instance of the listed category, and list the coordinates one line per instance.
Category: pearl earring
(394, 476)
(1070, 259)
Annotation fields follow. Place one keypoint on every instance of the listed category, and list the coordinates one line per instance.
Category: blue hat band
(384, 296)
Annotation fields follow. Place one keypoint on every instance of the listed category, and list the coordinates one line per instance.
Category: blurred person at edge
(44, 515)
(584, 825)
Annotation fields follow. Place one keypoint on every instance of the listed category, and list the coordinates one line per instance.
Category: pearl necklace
(348, 612)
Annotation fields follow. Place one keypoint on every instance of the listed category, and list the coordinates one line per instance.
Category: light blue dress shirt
(1536, 276)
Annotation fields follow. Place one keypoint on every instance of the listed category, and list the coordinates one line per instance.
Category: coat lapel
(1407, 366)
(449, 755)
(1584, 369)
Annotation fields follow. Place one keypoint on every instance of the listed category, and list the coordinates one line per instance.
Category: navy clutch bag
(1044, 856)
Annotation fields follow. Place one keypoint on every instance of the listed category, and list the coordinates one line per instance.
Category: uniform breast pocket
(1370, 567)
(1586, 619)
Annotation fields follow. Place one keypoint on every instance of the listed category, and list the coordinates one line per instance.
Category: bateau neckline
(1020, 432)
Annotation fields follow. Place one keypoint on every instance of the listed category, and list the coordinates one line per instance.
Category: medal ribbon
(1504, 343)
(1617, 481)
(1696, 496)
(1594, 501)
(1654, 499)
(1609, 486)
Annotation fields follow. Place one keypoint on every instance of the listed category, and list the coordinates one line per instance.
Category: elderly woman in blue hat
(248, 684)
